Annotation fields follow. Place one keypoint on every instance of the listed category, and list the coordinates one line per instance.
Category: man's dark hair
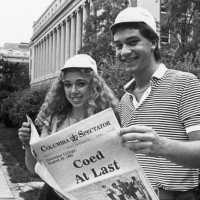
(145, 31)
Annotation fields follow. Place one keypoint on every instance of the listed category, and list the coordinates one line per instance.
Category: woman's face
(76, 88)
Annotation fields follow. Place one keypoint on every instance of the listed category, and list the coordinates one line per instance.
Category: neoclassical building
(57, 35)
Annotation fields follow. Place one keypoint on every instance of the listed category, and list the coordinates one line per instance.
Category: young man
(160, 110)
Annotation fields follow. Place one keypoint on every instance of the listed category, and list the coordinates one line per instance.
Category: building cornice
(65, 10)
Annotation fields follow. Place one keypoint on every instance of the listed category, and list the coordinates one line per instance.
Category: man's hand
(143, 140)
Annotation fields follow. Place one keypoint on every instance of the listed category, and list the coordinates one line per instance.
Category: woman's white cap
(80, 61)
(135, 14)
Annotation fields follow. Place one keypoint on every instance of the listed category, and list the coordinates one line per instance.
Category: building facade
(58, 35)
(15, 53)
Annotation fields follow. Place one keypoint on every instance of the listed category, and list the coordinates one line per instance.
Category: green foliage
(4, 94)
(116, 77)
(98, 42)
(97, 36)
(188, 63)
(183, 20)
(14, 156)
(6, 106)
(14, 76)
(22, 103)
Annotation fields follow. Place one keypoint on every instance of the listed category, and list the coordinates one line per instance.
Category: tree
(13, 76)
(97, 38)
(97, 41)
(183, 21)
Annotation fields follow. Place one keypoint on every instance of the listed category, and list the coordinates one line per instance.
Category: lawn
(13, 156)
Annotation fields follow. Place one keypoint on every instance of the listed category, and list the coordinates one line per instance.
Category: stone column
(62, 45)
(40, 66)
(67, 38)
(41, 58)
(85, 11)
(85, 15)
(58, 48)
(53, 69)
(50, 52)
(132, 3)
(47, 55)
(44, 56)
(92, 10)
(34, 63)
(78, 30)
(73, 35)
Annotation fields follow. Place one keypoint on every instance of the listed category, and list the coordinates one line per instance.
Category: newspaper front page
(87, 161)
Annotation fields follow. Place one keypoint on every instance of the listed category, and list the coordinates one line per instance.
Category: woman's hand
(25, 134)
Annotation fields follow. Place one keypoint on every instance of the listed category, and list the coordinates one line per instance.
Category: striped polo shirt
(172, 108)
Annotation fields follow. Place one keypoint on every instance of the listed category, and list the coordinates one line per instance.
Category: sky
(17, 17)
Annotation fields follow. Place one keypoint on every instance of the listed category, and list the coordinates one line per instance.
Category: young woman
(78, 93)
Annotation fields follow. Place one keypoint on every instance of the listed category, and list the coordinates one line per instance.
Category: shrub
(3, 94)
(22, 103)
(115, 76)
(28, 104)
(6, 106)
(188, 62)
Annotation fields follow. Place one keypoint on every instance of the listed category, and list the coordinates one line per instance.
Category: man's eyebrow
(81, 79)
(115, 42)
(127, 39)
(132, 37)
(66, 81)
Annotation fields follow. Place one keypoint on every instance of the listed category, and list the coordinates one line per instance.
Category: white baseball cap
(80, 61)
(135, 14)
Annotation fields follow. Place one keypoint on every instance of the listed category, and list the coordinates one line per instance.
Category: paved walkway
(10, 190)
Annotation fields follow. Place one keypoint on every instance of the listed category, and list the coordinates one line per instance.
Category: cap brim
(112, 27)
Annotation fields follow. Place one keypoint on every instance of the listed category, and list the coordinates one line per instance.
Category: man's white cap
(135, 14)
(80, 61)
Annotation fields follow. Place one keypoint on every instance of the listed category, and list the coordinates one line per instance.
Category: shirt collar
(158, 74)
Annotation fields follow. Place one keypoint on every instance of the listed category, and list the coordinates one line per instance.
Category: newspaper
(86, 161)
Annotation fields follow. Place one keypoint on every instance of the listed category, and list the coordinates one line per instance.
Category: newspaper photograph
(87, 161)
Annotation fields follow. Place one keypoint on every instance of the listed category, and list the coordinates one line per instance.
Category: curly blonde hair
(101, 97)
